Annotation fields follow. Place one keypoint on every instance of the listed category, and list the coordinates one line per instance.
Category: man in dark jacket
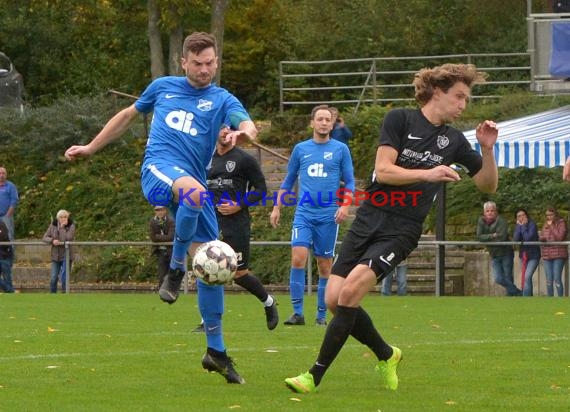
(6, 259)
(161, 228)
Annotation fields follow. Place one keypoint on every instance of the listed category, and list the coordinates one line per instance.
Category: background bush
(104, 196)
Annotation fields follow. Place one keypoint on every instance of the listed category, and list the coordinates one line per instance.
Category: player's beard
(200, 80)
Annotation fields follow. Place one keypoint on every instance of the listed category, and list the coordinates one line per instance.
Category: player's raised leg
(187, 193)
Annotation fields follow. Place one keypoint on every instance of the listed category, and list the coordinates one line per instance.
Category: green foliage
(366, 129)
(103, 192)
(84, 48)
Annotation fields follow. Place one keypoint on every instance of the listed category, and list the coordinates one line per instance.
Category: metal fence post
(67, 267)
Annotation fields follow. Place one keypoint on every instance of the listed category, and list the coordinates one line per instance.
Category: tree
(154, 40)
(217, 29)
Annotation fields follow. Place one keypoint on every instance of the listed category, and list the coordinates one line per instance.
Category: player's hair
(197, 42)
(319, 107)
(444, 77)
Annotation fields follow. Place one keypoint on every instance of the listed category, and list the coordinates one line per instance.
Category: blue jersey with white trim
(319, 167)
(186, 122)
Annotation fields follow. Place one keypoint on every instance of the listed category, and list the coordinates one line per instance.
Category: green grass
(130, 352)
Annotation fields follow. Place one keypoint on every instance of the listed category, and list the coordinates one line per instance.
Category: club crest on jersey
(230, 166)
(204, 105)
(442, 141)
(328, 155)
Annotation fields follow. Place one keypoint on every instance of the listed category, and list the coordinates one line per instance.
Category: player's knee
(331, 304)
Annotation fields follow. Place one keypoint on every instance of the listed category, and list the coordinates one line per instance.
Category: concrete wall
(479, 276)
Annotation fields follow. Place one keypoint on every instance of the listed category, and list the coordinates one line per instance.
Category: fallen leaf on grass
(450, 403)
(235, 406)
(50, 329)
(295, 399)
(559, 313)
(52, 367)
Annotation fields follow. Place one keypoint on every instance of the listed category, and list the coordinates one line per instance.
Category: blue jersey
(319, 167)
(186, 122)
(8, 197)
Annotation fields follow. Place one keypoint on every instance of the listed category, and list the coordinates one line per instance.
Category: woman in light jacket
(61, 230)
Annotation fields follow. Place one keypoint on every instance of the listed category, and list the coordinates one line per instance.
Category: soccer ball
(215, 263)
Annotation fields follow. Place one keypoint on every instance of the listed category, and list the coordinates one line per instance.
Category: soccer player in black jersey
(413, 159)
(235, 181)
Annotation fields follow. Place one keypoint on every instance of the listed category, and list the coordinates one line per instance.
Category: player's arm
(289, 181)
(347, 177)
(244, 128)
(487, 179)
(114, 128)
(257, 181)
(386, 171)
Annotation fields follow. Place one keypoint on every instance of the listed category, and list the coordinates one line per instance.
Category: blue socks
(321, 305)
(186, 223)
(297, 288)
(211, 305)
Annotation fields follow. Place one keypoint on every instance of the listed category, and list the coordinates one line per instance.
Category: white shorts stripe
(160, 175)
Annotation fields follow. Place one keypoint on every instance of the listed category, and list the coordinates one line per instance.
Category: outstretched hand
(442, 173)
(75, 152)
(237, 136)
(487, 133)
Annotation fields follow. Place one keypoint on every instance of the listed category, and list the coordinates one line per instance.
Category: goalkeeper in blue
(188, 113)
(319, 164)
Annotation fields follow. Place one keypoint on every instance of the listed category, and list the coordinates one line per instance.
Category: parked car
(11, 84)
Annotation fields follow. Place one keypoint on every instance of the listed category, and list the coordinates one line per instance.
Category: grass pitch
(131, 352)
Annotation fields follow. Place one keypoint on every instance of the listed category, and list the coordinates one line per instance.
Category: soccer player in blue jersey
(188, 113)
(319, 164)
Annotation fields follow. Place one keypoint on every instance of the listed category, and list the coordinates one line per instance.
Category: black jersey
(236, 175)
(420, 145)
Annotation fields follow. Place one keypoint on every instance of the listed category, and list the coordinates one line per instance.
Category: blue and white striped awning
(542, 139)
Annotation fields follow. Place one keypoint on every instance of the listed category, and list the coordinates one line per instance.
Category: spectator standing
(6, 260)
(566, 170)
(8, 201)
(61, 230)
(340, 130)
(529, 255)
(553, 256)
(401, 274)
(494, 228)
(161, 230)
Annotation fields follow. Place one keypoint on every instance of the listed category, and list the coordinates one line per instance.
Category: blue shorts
(156, 182)
(316, 234)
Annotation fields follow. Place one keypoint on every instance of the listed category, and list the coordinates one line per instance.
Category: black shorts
(377, 239)
(236, 233)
